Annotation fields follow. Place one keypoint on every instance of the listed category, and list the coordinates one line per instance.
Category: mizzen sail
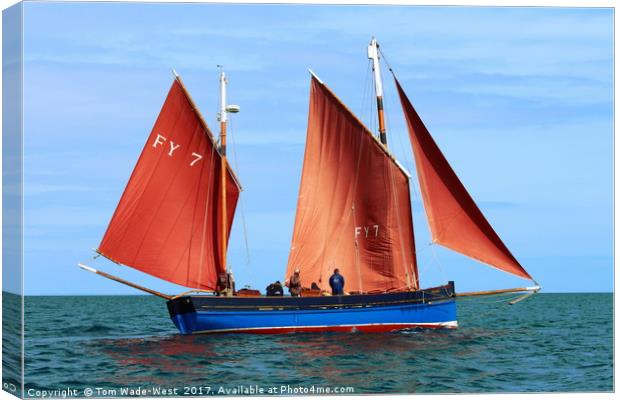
(353, 211)
(455, 220)
(168, 220)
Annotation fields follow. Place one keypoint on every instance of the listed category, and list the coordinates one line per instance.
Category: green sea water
(112, 345)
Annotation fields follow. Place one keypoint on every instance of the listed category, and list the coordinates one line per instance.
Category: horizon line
(149, 295)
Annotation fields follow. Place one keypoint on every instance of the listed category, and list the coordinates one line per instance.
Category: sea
(119, 346)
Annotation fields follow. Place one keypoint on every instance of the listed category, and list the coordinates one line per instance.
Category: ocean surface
(126, 345)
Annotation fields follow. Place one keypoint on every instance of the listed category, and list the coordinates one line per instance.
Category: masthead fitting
(223, 83)
(373, 54)
(373, 48)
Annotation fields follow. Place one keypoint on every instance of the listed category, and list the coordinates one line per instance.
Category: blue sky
(519, 99)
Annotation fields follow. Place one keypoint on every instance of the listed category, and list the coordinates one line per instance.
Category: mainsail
(455, 220)
(168, 220)
(353, 211)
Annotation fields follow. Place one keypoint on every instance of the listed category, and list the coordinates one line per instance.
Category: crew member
(275, 289)
(222, 283)
(294, 283)
(336, 282)
(225, 284)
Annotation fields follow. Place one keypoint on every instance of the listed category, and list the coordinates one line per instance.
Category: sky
(520, 100)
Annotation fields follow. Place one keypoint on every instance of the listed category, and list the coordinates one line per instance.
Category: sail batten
(168, 221)
(353, 210)
(454, 219)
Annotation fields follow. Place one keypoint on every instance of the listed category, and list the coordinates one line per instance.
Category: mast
(223, 117)
(373, 54)
(223, 120)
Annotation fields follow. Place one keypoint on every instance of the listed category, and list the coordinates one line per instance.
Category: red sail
(167, 221)
(454, 218)
(354, 211)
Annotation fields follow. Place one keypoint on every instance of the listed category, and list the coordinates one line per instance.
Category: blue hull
(364, 313)
(436, 315)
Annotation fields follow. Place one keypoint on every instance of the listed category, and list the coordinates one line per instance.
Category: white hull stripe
(447, 324)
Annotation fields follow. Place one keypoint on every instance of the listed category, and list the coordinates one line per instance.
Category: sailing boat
(353, 213)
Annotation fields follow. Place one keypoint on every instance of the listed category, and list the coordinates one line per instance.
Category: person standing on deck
(294, 283)
(225, 284)
(336, 282)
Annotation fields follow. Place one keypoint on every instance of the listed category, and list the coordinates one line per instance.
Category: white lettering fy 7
(159, 141)
(367, 231)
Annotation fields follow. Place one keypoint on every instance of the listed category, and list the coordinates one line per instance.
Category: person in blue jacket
(336, 282)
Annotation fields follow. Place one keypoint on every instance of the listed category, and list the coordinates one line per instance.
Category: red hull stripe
(367, 328)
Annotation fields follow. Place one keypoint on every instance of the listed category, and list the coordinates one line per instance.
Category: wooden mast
(373, 54)
(223, 120)
(223, 117)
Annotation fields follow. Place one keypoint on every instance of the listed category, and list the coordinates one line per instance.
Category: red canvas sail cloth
(353, 211)
(168, 220)
(455, 220)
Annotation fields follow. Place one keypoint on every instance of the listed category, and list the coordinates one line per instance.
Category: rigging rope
(206, 215)
(241, 196)
(437, 262)
(373, 124)
(403, 150)
(365, 92)
(352, 212)
(386, 62)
